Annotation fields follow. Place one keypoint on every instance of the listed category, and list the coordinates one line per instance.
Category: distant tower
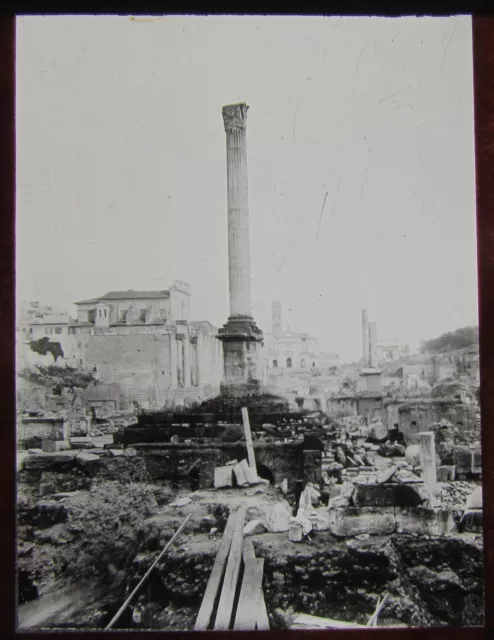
(365, 339)
(276, 318)
(373, 357)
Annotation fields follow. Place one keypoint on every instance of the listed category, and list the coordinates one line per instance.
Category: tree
(43, 346)
(59, 378)
(453, 340)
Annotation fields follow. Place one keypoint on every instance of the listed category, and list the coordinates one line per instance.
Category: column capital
(235, 116)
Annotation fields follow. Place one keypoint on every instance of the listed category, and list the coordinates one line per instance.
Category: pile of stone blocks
(238, 474)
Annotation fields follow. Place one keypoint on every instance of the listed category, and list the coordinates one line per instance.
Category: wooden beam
(250, 595)
(262, 615)
(225, 606)
(207, 605)
(305, 621)
(248, 440)
(248, 552)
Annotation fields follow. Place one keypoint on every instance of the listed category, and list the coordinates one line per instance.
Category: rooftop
(129, 294)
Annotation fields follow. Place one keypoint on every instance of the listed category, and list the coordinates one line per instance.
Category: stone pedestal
(242, 372)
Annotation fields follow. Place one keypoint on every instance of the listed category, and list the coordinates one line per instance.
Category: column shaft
(238, 211)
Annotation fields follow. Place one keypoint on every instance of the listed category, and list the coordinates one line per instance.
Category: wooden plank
(305, 621)
(248, 552)
(248, 440)
(207, 605)
(250, 595)
(225, 606)
(262, 622)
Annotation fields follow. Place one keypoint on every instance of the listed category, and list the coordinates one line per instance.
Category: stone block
(114, 453)
(446, 473)
(130, 452)
(474, 500)
(472, 521)
(254, 527)
(49, 445)
(424, 521)
(412, 455)
(85, 458)
(319, 520)
(387, 495)
(277, 519)
(351, 521)
(223, 477)
(295, 533)
(62, 445)
(240, 471)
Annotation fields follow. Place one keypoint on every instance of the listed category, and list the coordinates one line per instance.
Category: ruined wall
(413, 418)
(192, 466)
(139, 363)
(369, 407)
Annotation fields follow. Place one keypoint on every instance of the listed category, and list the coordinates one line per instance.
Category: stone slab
(223, 477)
(240, 474)
(424, 521)
(386, 495)
(474, 500)
(253, 528)
(349, 522)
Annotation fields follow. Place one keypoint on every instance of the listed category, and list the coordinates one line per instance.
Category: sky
(360, 156)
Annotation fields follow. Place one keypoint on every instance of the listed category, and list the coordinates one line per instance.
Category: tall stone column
(365, 339)
(373, 345)
(235, 120)
(241, 337)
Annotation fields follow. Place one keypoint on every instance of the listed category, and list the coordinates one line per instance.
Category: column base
(242, 340)
(240, 327)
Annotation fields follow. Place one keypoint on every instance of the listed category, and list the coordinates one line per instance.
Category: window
(302, 363)
(289, 363)
(58, 330)
(275, 363)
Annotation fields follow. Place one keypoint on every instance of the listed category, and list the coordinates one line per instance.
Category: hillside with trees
(453, 340)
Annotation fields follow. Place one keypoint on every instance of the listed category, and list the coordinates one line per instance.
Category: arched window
(275, 363)
(302, 363)
(289, 363)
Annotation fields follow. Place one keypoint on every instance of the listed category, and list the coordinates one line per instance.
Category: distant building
(145, 342)
(36, 321)
(287, 349)
(390, 349)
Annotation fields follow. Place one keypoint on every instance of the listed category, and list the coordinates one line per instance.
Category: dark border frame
(483, 59)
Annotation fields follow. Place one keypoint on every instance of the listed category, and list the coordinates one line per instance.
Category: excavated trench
(89, 531)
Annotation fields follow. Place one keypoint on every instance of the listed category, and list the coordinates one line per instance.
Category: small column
(180, 361)
(199, 348)
(173, 361)
(187, 356)
(428, 460)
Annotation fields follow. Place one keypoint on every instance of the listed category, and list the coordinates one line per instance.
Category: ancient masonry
(242, 339)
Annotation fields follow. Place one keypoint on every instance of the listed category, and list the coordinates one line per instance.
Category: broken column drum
(427, 450)
(240, 335)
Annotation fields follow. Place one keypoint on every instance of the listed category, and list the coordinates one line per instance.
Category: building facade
(287, 349)
(145, 342)
(36, 321)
